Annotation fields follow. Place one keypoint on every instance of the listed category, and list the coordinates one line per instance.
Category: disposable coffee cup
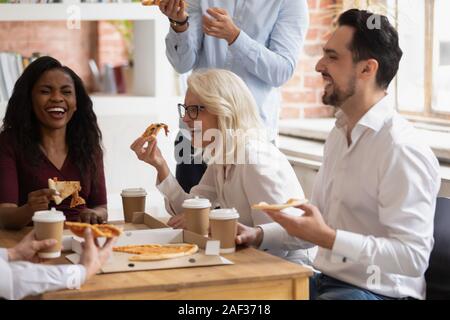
(224, 228)
(196, 215)
(49, 224)
(133, 200)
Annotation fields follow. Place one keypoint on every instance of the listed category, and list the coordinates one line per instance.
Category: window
(423, 81)
(441, 57)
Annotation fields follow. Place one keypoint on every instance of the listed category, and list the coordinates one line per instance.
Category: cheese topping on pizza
(150, 2)
(151, 252)
(98, 230)
(153, 130)
(288, 204)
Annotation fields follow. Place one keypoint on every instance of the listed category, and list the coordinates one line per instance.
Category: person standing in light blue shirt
(258, 40)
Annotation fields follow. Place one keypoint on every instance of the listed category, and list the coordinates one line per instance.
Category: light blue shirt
(264, 55)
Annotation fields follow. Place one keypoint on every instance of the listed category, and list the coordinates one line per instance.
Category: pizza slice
(150, 2)
(76, 200)
(65, 190)
(153, 130)
(153, 252)
(98, 230)
(136, 249)
(276, 207)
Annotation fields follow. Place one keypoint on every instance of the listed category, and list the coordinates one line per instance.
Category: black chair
(438, 273)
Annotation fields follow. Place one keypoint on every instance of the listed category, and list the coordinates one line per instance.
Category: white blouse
(266, 176)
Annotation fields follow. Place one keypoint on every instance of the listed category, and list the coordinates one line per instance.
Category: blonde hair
(226, 95)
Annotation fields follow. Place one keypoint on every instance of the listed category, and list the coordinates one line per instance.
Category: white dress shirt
(264, 55)
(268, 177)
(20, 279)
(380, 194)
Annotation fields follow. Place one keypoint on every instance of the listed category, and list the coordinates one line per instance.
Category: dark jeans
(323, 287)
(188, 174)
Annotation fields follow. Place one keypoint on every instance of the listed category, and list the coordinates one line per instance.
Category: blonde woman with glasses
(244, 168)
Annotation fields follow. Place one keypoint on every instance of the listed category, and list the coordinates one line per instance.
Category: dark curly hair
(83, 136)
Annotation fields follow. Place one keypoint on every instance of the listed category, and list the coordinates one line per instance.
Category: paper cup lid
(196, 203)
(224, 214)
(49, 216)
(133, 192)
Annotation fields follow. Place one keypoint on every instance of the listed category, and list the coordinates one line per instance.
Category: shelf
(120, 104)
(87, 11)
(150, 29)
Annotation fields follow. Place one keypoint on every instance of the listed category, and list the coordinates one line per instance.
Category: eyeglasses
(192, 111)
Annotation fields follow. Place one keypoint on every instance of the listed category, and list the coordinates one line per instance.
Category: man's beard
(337, 97)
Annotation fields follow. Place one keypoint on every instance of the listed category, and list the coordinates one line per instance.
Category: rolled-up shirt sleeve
(22, 279)
(409, 184)
(276, 63)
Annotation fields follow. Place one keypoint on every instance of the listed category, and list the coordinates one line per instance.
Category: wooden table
(255, 275)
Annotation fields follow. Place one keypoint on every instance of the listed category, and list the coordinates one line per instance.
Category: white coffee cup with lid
(133, 200)
(49, 224)
(196, 214)
(223, 224)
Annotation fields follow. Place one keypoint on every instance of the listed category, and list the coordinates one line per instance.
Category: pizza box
(140, 221)
(151, 222)
(208, 254)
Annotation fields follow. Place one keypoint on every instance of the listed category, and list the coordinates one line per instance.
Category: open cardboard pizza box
(156, 232)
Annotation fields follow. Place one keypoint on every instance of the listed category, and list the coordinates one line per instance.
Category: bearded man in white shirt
(374, 197)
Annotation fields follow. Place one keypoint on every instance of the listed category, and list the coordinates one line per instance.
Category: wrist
(234, 36)
(180, 29)
(12, 254)
(28, 209)
(180, 21)
(259, 237)
(179, 25)
(161, 166)
(329, 238)
(163, 172)
(90, 270)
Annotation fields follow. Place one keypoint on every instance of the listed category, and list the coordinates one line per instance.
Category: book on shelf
(109, 81)
(30, 1)
(119, 78)
(116, 79)
(11, 67)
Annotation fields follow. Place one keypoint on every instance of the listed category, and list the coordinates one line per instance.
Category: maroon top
(18, 178)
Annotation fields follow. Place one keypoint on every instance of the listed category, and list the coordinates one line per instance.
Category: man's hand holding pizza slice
(310, 226)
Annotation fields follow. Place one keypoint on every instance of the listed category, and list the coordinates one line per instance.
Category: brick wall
(70, 46)
(302, 95)
(111, 45)
(98, 40)
(102, 41)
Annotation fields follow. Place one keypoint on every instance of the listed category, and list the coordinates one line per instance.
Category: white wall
(121, 125)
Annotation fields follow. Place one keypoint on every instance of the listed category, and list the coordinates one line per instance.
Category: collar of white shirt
(374, 119)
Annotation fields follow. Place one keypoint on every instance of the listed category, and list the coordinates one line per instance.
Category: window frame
(428, 114)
